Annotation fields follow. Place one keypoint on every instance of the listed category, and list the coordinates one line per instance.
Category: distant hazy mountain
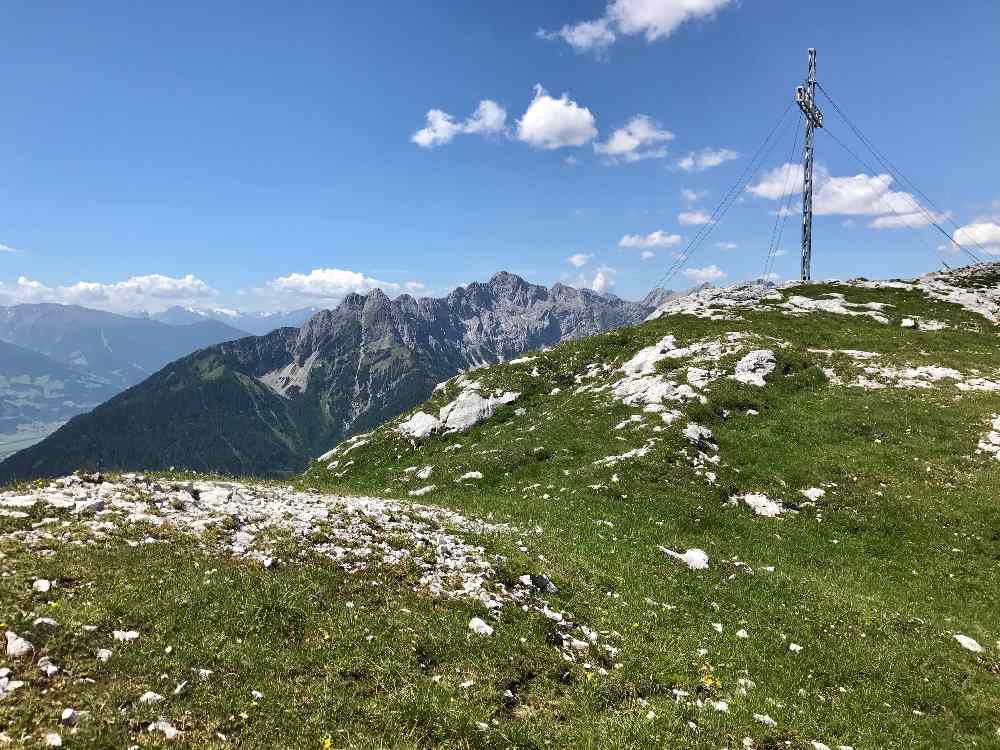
(57, 361)
(37, 394)
(266, 405)
(257, 323)
(116, 349)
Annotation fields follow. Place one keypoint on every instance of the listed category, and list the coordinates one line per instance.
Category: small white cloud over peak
(551, 123)
(654, 19)
(647, 254)
(659, 238)
(602, 280)
(152, 292)
(441, 128)
(726, 245)
(579, 260)
(693, 217)
(699, 161)
(330, 285)
(641, 138)
(701, 275)
(6, 248)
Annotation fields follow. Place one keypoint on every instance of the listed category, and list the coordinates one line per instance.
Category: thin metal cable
(904, 181)
(728, 199)
(783, 209)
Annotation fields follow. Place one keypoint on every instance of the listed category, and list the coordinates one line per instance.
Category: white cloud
(701, 275)
(659, 238)
(588, 35)
(778, 182)
(333, 284)
(852, 195)
(914, 219)
(693, 217)
(641, 138)
(6, 248)
(647, 254)
(152, 292)
(693, 196)
(699, 161)
(550, 123)
(654, 19)
(579, 260)
(985, 234)
(726, 245)
(602, 280)
(488, 119)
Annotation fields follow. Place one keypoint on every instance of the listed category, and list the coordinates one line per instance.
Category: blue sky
(262, 155)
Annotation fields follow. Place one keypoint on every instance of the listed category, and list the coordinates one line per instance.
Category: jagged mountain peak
(266, 404)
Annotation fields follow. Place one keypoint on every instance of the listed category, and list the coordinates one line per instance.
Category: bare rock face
(266, 405)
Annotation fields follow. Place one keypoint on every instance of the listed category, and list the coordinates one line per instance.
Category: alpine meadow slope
(266, 405)
(765, 518)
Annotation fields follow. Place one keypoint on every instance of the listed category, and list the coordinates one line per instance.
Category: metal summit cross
(805, 97)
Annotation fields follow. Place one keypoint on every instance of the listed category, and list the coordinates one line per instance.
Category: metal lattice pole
(805, 97)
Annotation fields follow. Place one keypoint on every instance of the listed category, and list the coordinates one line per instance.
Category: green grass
(873, 582)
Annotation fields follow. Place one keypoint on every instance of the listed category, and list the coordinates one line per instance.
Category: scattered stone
(755, 367)
(17, 646)
(165, 727)
(480, 627)
(48, 667)
(149, 698)
(969, 643)
(696, 559)
(761, 504)
(68, 716)
(419, 425)
(41, 585)
(103, 654)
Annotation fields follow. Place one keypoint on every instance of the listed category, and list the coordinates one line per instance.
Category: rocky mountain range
(266, 405)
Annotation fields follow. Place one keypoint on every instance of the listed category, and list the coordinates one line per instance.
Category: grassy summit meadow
(765, 524)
